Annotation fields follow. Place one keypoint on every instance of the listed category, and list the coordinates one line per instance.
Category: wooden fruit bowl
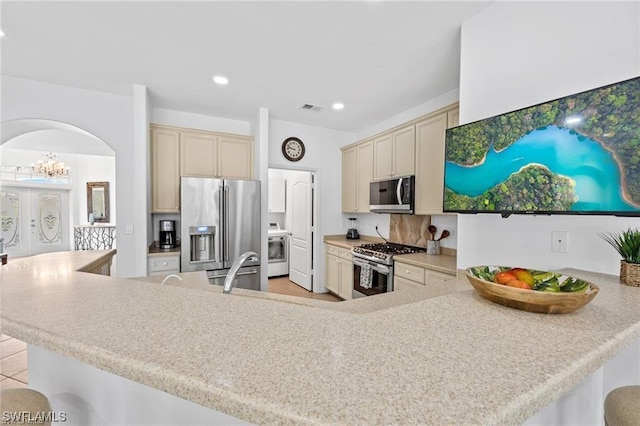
(531, 300)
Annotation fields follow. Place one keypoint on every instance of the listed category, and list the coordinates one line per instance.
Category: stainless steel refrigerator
(220, 220)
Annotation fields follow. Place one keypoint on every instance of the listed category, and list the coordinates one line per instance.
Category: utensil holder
(433, 247)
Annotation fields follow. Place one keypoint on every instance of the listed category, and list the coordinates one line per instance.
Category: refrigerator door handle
(220, 234)
(226, 223)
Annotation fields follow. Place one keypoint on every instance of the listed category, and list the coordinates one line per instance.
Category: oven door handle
(376, 267)
(399, 189)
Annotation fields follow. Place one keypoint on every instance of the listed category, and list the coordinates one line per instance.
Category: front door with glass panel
(34, 221)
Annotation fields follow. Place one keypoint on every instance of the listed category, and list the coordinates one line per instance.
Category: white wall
(110, 118)
(323, 156)
(201, 122)
(425, 108)
(516, 54)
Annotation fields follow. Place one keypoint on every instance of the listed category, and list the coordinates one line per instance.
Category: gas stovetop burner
(384, 253)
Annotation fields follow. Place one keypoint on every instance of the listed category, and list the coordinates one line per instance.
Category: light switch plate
(129, 229)
(560, 241)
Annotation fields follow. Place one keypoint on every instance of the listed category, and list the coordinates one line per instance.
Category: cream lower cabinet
(394, 154)
(163, 265)
(407, 275)
(339, 271)
(357, 173)
(429, 159)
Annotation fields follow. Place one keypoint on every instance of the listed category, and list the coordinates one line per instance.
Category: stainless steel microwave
(392, 196)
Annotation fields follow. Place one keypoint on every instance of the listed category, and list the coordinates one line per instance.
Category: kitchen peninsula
(447, 357)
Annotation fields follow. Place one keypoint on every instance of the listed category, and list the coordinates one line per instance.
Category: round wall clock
(293, 149)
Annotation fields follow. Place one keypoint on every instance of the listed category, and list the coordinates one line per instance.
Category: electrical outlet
(560, 241)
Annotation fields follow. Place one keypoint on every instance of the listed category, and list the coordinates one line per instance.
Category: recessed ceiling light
(218, 79)
(338, 105)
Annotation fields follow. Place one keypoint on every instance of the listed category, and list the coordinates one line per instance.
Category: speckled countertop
(449, 357)
(155, 251)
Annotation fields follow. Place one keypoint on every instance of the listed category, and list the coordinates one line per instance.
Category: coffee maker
(352, 232)
(167, 234)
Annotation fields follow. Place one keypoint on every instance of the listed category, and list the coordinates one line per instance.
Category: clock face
(293, 149)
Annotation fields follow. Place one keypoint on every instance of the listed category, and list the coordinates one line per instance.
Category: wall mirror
(98, 201)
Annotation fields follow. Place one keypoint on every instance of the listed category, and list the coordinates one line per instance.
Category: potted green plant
(627, 243)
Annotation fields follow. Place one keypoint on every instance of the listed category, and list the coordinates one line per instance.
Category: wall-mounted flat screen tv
(575, 155)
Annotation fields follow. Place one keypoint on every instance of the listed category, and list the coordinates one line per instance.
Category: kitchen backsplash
(409, 229)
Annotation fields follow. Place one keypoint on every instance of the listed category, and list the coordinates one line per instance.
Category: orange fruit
(504, 277)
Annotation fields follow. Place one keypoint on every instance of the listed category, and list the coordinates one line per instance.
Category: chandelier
(50, 166)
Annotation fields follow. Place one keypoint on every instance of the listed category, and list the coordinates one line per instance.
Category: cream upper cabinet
(235, 157)
(357, 173)
(453, 118)
(394, 154)
(209, 155)
(349, 180)
(430, 139)
(277, 194)
(404, 142)
(383, 157)
(177, 152)
(165, 170)
(198, 152)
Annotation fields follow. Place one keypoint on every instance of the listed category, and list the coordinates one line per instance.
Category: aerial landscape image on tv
(577, 154)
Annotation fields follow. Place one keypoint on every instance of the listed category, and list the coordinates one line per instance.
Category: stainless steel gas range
(373, 267)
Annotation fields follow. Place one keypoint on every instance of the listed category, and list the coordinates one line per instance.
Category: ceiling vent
(311, 107)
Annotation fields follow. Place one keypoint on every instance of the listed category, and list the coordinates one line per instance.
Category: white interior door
(301, 238)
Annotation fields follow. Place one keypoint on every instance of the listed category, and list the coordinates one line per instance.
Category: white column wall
(141, 176)
(516, 54)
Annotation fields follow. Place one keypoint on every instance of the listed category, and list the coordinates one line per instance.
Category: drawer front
(435, 276)
(410, 272)
(165, 263)
(403, 284)
(346, 254)
(342, 253)
(331, 249)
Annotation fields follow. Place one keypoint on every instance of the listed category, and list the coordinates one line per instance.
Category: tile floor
(13, 363)
(13, 352)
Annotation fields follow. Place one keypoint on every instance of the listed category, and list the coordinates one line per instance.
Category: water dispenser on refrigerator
(201, 240)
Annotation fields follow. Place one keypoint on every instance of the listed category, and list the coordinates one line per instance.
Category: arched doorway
(38, 213)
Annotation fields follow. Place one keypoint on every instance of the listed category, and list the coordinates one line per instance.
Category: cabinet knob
(164, 263)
